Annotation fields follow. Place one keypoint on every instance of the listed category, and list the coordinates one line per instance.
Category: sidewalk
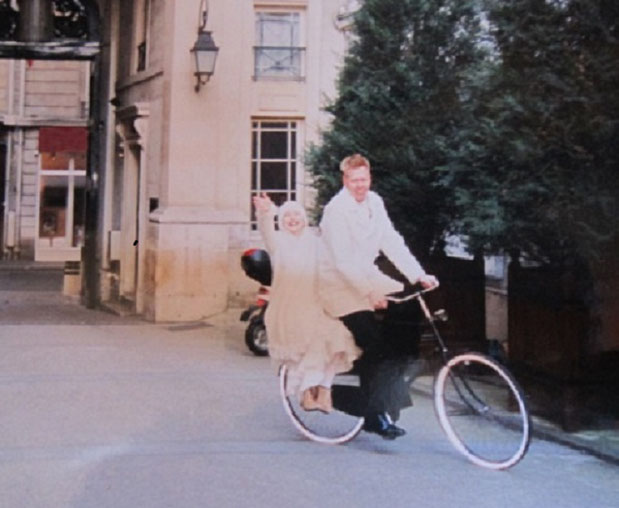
(601, 443)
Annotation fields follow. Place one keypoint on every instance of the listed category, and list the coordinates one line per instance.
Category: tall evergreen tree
(398, 104)
(496, 119)
(537, 160)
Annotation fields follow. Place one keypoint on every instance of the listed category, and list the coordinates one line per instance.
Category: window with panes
(278, 52)
(62, 184)
(274, 160)
(142, 13)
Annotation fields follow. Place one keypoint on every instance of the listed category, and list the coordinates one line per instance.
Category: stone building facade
(182, 163)
(43, 119)
(171, 166)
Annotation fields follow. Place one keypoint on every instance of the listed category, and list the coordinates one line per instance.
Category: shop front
(61, 193)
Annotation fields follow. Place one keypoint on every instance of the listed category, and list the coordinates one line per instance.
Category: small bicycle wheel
(482, 410)
(337, 427)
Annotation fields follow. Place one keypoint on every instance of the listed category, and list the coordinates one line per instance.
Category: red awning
(63, 139)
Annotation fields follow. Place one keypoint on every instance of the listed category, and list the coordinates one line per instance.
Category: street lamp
(204, 50)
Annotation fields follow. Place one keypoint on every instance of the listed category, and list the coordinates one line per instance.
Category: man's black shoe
(381, 424)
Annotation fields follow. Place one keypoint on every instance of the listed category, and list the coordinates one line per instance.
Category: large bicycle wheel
(334, 428)
(482, 410)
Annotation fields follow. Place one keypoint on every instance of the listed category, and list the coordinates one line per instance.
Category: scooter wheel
(256, 338)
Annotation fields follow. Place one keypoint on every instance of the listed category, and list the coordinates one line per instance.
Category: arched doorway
(32, 30)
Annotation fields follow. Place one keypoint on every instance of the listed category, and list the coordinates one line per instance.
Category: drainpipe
(91, 252)
(9, 241)
(110, 135)
(18, 179)
(20, 157)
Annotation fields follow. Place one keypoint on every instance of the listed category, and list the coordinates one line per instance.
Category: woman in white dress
(314, 346)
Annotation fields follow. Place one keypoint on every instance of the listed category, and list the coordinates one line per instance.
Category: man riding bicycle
(355, 228)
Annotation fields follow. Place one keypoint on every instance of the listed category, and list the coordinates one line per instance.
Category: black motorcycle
(257, 266)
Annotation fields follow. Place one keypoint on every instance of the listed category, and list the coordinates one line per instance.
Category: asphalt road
(101, 411)
(166, 416)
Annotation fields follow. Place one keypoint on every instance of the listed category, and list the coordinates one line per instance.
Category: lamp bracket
(201, 79)
(203, 16)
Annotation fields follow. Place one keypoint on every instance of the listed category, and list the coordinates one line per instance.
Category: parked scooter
(257, 266)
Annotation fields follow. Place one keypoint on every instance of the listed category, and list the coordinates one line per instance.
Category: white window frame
(294, 52)
(294, 171)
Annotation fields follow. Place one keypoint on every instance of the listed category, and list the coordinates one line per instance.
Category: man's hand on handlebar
(381, 301)
(428, 281)
(378, 300)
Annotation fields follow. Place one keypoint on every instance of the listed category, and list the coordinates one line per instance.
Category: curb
(545, 430)
(12, 266)
(548, 432)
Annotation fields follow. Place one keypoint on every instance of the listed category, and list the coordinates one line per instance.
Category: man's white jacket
(352, 235)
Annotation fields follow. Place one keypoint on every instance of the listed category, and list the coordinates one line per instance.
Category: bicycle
(478, 403)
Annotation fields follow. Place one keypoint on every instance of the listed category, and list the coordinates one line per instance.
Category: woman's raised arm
(265, 214)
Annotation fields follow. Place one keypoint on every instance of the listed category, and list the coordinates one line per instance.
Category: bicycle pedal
(440, 315)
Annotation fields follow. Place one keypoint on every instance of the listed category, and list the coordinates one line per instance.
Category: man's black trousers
(389, 345)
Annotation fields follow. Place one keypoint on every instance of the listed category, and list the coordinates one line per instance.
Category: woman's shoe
(308, 400)
(323, 399)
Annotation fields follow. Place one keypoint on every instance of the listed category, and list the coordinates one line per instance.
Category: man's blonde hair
(353, 161)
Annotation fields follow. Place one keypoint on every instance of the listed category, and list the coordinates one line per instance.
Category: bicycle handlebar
(416, 294)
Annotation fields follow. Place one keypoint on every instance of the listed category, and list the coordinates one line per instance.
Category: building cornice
(138, 78)
(135, 110)
(41, 121)
(197, 215)
(281, 4)
(57, 50)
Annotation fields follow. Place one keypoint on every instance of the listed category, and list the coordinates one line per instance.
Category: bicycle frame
(432, 318)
